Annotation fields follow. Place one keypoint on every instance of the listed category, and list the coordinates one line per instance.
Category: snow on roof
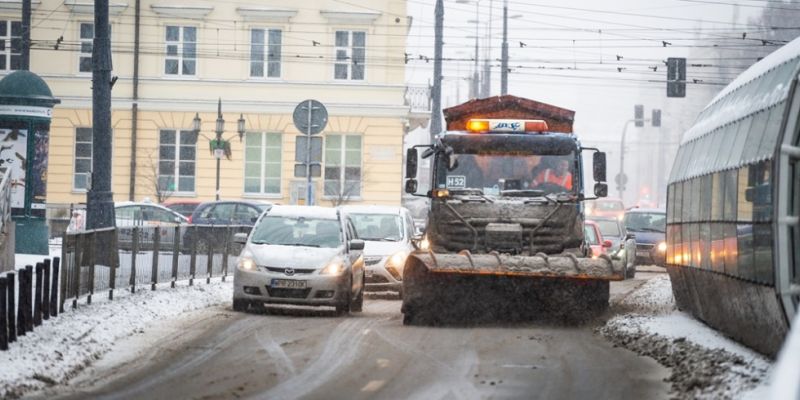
(372, 209)
(304, 211)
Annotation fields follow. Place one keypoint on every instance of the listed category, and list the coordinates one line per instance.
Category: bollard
(11, 303)
(21, 325)
(37, 296)
(29, 298)
(3, 316)
(46, 290)
(54, 309)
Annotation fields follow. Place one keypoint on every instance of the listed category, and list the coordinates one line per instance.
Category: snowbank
(63, 346)
(705, 364)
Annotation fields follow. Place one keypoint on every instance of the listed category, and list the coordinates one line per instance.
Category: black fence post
(67, 243)
(210, 259)
(92, 262)
(3, 315)
(112, 276)
(176, 249)
(134, 254)
(37, 295)
(46, 290)
(77, 265)
(193, 258)
(12, 315)
(54, 304)
(21, 325)
(225, 251)
(156, 254)
(29, 298)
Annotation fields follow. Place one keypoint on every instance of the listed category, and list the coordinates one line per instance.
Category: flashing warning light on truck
(506, 125)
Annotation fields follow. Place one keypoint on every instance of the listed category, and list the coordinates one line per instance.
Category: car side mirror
(411, 163)
(599, 168)
(411, 186)
(600, 189)
(356, 244)
(607, 244)
(240, 238)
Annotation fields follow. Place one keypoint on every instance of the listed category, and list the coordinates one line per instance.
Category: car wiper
(300, 244)
(650, 230)
(389, 239)
(259, 242)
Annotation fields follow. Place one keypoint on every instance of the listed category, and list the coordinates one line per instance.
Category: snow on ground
(705, 364)
(63, 346)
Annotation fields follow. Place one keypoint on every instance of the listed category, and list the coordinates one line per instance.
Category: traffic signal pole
(436, 96)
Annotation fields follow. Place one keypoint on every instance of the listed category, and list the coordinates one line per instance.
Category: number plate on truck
(288, 284)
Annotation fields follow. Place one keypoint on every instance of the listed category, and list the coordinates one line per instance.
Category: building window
(350, 55)
(10, 45)
(83, 159)
(85, 55)
(262, 163)
(181, 58)
(343, 166)
(265, 49)
(176, 160)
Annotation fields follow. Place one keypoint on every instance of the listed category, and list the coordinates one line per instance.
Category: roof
(25, 87)
(304, 211)
(372, 209)
(508, 106)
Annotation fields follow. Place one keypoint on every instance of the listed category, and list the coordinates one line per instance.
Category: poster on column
(13, 155)
(41, 140)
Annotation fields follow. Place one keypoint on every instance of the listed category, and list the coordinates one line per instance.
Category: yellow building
(261, 58)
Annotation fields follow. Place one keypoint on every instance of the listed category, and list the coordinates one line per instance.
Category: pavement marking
(373, 386)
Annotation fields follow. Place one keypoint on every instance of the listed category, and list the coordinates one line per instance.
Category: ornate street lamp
(219, 146)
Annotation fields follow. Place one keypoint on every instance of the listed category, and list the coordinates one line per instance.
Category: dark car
(183, 207)
(223, 212)
(649, 228)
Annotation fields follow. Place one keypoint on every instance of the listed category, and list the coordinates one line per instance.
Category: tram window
(742, 127)
(729, 190)
(762, 252)
(670, 203)
(713, 152)
(686, 245)
(717, 196)
(745, 251)
(744, 188)
(686, 204)
(760, 190)
(696, 199)
(686, 160)
(717, 247)
(731, 249)
(678, 202)
(705, 245)
(724, 150)
(694, 231)
(755, 136)
(772, 130)
(671, 243)
(705, 197)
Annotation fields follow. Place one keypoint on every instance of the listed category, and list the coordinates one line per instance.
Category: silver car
(300, 255)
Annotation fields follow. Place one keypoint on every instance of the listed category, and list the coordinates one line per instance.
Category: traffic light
(676, 77)
(638, 115)
(656, 118)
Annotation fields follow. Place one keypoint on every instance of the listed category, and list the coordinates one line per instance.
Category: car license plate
(368, 273)
(643, 253)
(288, 284)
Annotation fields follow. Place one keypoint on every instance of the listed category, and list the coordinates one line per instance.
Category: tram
(733, 206)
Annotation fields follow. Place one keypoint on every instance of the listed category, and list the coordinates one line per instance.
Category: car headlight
(333, 268)
(247, 264)
(397, 260)
(662, 247)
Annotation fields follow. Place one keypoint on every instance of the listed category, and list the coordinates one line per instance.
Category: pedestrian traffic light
(676, 77)
(638, 115)
(656, 120)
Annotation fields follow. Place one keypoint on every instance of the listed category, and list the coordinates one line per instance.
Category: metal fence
(28, 297)
(104, 260)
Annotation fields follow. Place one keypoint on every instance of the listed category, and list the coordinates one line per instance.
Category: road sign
(310, 117)
(301, 149)
(621, 179)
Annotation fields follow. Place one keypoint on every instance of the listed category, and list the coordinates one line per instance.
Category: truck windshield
(500, 174)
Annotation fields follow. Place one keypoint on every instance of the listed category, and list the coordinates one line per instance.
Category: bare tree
(161, 190)
(339, 193)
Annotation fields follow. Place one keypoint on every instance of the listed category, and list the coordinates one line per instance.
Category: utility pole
(26, 36)
(504, 56)
(436, 109)
(475, 75)
(486, 89)
(135, 105)
(100, 199)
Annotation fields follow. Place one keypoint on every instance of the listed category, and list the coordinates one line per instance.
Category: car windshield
(511, 174)
(297, 231)
(590, 235)
(609, 228)
(646, 222)
(378, 227)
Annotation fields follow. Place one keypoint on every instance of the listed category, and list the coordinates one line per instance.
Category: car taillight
(190, 219)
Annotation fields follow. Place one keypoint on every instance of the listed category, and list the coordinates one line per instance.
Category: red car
(594, 239)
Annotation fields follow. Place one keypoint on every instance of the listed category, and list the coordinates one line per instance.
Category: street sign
(621, 179)
(301, 149)
(310, 117)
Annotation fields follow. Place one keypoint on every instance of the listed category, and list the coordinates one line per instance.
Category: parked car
(223, 212)
(612, 229)
(183, 207)
(606, 207)
(595, 239)
(649, 227)
(304, 255)
(387, 233)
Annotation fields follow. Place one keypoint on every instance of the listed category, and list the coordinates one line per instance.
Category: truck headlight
(247, 264)
(333, 268)
(662, 247)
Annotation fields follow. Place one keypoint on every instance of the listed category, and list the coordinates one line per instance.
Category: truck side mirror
(599, 168)
(600, 190)
(411, 163)
(411, 186)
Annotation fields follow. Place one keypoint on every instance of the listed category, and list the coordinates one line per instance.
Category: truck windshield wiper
(522, 193)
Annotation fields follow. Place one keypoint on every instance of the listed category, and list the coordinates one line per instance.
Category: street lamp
(219, 146)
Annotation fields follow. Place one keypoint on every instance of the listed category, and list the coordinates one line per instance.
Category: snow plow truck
(505, 231)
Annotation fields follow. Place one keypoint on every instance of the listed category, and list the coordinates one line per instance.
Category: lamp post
(219, 146)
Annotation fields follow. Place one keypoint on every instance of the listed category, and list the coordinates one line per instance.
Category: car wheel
(358, 304)
(239, 305)
(344, 307)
